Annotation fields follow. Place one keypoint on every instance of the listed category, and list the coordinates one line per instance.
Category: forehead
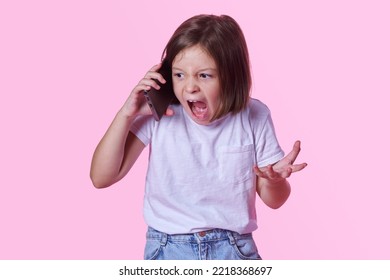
(194, 56)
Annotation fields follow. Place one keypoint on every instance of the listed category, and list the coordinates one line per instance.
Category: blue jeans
(216, 244)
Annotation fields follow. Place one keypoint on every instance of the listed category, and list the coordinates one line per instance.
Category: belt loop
(231, 237)
(164, 239)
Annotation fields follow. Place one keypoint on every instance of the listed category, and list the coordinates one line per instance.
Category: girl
(209, 154)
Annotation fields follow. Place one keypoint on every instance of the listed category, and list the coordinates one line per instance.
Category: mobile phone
(159, 100)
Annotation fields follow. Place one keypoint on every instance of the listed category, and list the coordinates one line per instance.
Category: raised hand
(283, 168)
(136, 103)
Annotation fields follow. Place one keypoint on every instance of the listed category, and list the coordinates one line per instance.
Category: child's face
(196, 83)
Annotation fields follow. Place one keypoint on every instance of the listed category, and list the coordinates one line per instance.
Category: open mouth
(198, 108)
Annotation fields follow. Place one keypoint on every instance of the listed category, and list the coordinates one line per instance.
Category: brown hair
(223, 39)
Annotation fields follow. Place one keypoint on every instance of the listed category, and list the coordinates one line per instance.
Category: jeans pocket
(152, 249)
(245, 247)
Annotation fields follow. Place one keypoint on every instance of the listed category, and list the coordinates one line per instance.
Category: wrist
(124, 117)
(126, 113)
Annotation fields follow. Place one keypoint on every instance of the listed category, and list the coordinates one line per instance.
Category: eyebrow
(200, 70)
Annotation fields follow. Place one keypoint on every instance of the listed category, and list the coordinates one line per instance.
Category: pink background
(66, 67)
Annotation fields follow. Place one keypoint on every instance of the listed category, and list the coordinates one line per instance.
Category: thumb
(169, 112)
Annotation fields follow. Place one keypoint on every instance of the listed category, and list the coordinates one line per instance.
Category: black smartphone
(159, 100)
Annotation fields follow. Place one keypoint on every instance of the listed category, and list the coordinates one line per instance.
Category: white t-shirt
(200, 177)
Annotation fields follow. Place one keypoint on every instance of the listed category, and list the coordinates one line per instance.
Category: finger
(277, 175)
(169, 112)
(140, 88)
(292, 156)
(266, 172)
(286, 173)
(156, 67)
(295, 151)
(149, 83)
(298, 167)
(259, 172)
(270, 172)
(154, 74)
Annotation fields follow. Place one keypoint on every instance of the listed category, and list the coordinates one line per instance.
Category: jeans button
(202, 233)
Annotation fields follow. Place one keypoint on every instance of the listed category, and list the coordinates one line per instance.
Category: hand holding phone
(159, 100)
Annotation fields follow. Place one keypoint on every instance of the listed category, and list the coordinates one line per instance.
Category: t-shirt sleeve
(142, 127)
(268, 150)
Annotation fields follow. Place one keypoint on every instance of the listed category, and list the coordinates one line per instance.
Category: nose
(191, 85)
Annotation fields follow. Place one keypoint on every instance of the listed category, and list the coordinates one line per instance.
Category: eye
(204, 75)
(179, 75)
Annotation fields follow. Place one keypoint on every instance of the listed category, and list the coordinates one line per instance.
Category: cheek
(215, 96)
(176, 89)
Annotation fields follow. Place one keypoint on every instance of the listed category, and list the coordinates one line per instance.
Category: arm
(272, 185)
(116, 153)
(118, 150)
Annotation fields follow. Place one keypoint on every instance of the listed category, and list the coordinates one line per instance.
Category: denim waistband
(198, 237)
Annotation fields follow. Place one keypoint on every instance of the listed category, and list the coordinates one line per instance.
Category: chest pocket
(236, 163)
